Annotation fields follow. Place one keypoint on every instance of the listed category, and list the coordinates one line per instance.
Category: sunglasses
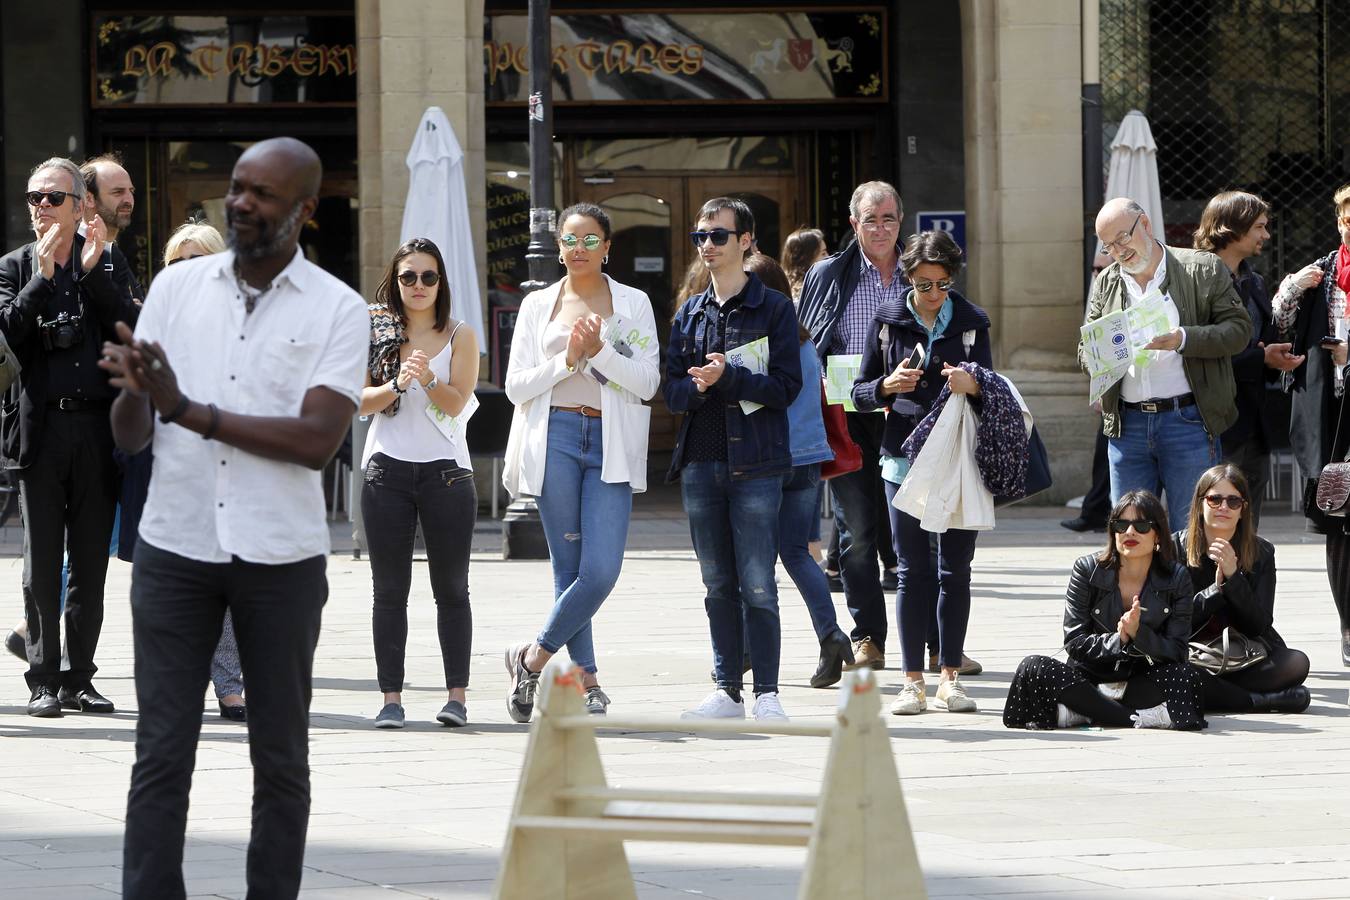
(924, 287)
(1142, 526)
(590, 241)
(719, 236)
(55, 198)
(1232, 500)
(178, 259)
(408, 278)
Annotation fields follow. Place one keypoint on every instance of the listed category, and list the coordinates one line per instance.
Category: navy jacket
(757, 444)
(904, 333)
(1249, 365)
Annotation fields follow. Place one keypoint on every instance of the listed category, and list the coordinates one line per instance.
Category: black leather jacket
(1092, 608)
(1246, 601)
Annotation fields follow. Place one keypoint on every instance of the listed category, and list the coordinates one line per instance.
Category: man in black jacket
(840, 295)
(110, 195)
(57, 303)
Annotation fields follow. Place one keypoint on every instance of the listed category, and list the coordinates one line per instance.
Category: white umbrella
(1134, 169)
(438, 209)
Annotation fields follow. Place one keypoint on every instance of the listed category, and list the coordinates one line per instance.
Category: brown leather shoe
(968, 665)
(866, 655)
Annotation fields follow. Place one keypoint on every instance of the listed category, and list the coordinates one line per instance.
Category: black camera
(63, 332)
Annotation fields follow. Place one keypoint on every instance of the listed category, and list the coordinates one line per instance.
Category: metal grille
(1240, 94)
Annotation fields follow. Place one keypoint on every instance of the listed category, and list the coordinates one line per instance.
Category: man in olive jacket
(1163, 421)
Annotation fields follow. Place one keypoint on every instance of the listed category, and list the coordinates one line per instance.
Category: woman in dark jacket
(1309, 307)
(1127, 617)
(951, 330)
(1233, 574)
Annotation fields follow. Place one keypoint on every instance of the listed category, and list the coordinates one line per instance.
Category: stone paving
(1254, 807)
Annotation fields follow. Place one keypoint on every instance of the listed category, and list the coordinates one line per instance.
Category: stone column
(415, 54)
(1022, 82)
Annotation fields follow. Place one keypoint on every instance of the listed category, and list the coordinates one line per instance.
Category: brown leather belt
(589, 412)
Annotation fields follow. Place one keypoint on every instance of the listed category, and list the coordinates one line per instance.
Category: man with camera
(57, 306)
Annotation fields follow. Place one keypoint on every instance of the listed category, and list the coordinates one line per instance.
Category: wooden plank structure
(565, 839)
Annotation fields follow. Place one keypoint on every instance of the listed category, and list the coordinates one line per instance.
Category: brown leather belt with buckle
(1153, 406)
(75, 404)
(589, 412)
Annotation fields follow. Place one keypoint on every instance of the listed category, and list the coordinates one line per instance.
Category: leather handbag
(847, 455)
(1230, 651)
(1333, 484)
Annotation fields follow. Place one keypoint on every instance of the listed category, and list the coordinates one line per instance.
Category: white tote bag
(943, 488)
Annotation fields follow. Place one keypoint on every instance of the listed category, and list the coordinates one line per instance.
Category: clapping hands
(1128, 626)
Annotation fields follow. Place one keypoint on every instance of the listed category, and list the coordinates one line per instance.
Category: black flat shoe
(44, 704)
(14, 643)
(1289, 700)
(86, 700)
(836, 651)
(1082, 524)
(233, 713)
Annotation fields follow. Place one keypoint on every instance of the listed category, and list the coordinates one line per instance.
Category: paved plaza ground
(1254, 807)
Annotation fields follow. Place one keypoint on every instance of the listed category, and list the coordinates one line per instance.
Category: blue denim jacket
(806, 426)
(757, 444)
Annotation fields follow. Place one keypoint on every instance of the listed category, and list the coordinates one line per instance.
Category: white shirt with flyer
(1165, 377)
(209, 501)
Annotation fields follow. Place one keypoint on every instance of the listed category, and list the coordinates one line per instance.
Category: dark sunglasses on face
(56, 198)
(924, 287)
(178, 259)
(408, 278)
(590, 241)
(1142, 526)
(1232, 500)
(719, 237)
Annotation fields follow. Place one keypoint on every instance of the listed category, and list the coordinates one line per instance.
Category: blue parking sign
(952, 221)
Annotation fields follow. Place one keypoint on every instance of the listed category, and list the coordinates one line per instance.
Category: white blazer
(530, 377)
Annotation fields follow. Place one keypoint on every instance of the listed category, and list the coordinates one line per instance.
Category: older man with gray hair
(1162, 421)
(57, 305)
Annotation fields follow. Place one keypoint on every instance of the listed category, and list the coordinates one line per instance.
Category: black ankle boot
(836, 651)
(1289, 700)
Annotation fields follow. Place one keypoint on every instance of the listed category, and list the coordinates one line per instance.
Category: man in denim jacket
(731, 462)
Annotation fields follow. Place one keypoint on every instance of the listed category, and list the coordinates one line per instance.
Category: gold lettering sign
(590, 57)
(205, 59)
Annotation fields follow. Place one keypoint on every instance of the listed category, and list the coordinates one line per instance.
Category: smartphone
(1331, 343)
(915, 359)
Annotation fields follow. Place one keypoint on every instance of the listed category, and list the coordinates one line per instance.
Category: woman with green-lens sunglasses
(584, 358)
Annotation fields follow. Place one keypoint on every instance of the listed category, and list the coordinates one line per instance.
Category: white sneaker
(768, 709)
(951, 696)
(1153, 717)
(717, 705)
(1067, 718)
(912, 700)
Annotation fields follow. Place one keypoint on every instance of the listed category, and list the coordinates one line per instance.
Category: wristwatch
(430, 385)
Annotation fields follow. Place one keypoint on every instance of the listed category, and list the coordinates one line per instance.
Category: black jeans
(69, 498)
(858, 497)
(396, 496)
(177, 606)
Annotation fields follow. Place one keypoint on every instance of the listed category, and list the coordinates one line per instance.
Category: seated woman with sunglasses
(417, 469)
(584, 358)
(1127, 617)
(1233, 576)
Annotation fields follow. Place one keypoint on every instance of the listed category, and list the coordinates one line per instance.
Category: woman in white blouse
(584, 357)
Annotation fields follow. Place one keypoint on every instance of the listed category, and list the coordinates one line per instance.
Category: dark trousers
(1254, 461)
(1338, 573)
(929, 586)
(69, 497)
(858, 497)
(1097, 501)
(177, 606)
(396, 496)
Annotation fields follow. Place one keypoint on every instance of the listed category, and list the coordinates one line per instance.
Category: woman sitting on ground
(1233, 574)
(1127, 617)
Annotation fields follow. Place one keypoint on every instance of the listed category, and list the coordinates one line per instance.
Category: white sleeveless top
(409, 435)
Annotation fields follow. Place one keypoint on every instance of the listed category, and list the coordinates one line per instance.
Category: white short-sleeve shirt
(209, 501)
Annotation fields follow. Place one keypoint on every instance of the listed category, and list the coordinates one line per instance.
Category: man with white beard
(1162, 421)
